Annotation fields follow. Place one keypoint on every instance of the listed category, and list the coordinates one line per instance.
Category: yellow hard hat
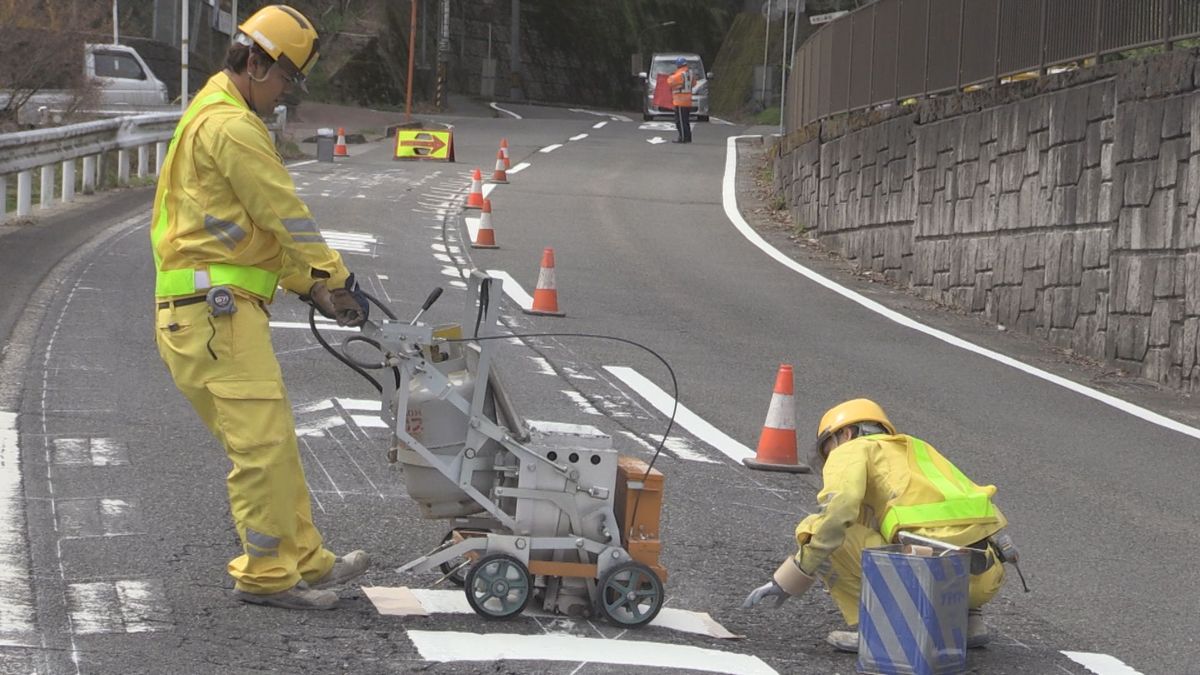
(852, 412)
(286, 36)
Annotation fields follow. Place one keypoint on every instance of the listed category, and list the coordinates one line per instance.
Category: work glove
(348, 306)
(787, 581)
(767, 590)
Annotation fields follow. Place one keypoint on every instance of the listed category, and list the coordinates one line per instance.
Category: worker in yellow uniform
(228, 228)
(878, 483)
(681, 82)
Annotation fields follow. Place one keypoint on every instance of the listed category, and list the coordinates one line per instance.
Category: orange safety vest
(681, 87)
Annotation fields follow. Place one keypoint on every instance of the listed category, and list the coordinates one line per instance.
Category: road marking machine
(558, 519)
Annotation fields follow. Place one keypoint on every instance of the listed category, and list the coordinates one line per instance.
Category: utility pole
(412, 50)
(514, 53)
(233, 31)
(116, 32)
(766, 45)
(183, 55)
(443, 57)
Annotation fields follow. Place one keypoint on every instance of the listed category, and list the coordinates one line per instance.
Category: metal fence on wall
(894, 50)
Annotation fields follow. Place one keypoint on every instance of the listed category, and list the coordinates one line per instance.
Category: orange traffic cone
(545, 297)
(777, 444)
(504, 153)
(475, 197)
(339, 148)
(499, 175)
(485, 236)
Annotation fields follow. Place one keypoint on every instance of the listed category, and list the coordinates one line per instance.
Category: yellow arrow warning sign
(424, 144)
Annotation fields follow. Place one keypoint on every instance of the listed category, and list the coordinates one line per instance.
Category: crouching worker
(877, 483)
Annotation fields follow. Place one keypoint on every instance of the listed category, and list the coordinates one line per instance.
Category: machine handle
(433, 296)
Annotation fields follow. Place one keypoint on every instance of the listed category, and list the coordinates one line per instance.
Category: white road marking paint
(493, 106)
(320, 426)
(579, 399)
(444, 646)
(513, 289)
(683, 417)
(612, 116)
(359, 403)
(487, 189)
(543, 366)
(382, 277)
(578, 137)
(682, 448)
(17, 622)
(575, 374)
(729, 200)
(458, 284)
(451, 272)
(442, 257)
(656, 126)
(565, 429)
(1101, 664)
(445, 249)
(518, 168)
(93, 451)
(599, 125)
(656, 140)
(91, 518)
(298, 324)
(369, 422)
(327, 404)
(125, 606)
(551, 148)
(718, 120)
(351, 242)
(307, 161)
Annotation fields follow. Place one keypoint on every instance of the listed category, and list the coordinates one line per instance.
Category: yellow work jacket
(680, 82)
(892, 483)
(226, 207)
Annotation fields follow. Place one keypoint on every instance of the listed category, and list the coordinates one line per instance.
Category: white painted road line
(297, 324)
(599, 125)
(487, 189)
(685, 418)
(551, 148)
(513, 289)
(17, 623)
(506, 112)
(518, 168)
(443, 646)
(1101, 664)
(729, 200)
(578, 137)
(307, 161)
(472, 226)
(125, 606)
(656, 140)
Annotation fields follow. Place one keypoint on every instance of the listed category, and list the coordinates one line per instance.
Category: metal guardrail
(46, 150)
(894, 50)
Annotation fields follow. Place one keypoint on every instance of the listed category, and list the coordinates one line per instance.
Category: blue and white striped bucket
(913, 613)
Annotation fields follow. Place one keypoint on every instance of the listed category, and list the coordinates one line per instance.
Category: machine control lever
(433, 296)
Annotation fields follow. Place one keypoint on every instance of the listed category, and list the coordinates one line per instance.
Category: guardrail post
(122, 166)
(68, 187)
(3, 197)
(89, 174)
(160, 155)
(46, 197)
(143, 160)
(24, 193)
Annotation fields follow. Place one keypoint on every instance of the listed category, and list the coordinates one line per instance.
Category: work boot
(299, 596)
(977, 630)
(345, 569)
(844, 640)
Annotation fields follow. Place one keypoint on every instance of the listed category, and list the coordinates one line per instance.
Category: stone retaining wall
(1064, 208)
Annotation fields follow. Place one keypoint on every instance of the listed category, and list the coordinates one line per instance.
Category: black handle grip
(437, 293)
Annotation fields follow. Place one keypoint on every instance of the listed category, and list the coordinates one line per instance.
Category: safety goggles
(294, 77)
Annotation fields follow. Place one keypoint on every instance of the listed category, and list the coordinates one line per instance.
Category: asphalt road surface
(114, 523)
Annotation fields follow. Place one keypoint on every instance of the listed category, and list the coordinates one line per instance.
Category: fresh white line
(578, 137)
(487, 189)
(543, 366)
(297, 324)
(307, 161)
(718, 120)
(1101, 664)
(472, 226)
(518, 168)
(551, 148)
(656, 140)
(729, 199)
(683, 417)
(446, 646)
(17, 624)
(513, 289)
(507, 112)
(599, 125)
(581, 401)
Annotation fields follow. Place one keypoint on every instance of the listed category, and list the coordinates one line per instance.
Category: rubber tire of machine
(501, 563)
(609, 603)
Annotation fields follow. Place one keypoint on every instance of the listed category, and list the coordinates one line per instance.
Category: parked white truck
(124, 85)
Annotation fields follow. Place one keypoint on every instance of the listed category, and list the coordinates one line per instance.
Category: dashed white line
(518, 168)
(513, 289)
(578, 137)
(505, 111)
(551, 148)
(685, 418)
(599, 125)
(729, 200)
(1101, 664)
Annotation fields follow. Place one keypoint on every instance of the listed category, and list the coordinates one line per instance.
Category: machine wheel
(458, 578)
(498, 586)
(630, 594)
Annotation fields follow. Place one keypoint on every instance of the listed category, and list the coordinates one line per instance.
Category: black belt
(182, 302)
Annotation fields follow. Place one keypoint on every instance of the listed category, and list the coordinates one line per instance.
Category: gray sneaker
(345, 569)
(299, 596)
(843, 640)
(977, 630)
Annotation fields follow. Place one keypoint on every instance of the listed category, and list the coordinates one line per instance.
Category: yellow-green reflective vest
(963, 503)
(170, 283)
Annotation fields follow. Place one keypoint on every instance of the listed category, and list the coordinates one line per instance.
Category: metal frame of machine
(534, 514)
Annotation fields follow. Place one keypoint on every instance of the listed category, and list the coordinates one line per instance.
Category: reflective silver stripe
(298, 225)
(261, 540)
(314, 238)
(255, 552)
(224, 231)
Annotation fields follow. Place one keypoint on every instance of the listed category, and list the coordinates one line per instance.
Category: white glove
(767, 590)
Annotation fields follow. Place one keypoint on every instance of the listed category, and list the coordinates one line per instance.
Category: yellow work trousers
(843, 574)
(226, 367)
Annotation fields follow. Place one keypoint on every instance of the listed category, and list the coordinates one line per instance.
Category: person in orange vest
(681, 82)
(877, 483)
(227, 230)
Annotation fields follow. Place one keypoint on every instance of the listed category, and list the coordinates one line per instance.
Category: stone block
(1035, 151)
(1139, 183)
(969, 137)
(1147, 130)
(1106, 205)
(1033, 251)
(1172, 125)
(1192, 282)
(1107, 168)
(1139, 288)
(1106, 128)
(1091, 249)
(1012, 172)
(1160, 324)
(1126, 123)
(1088, 196)
(1039, 113)
(965, 180)
(1098, 105)
(1031, 289)
(1012, 250)
(1150, 228)
(1092, 145)
(1066, 162)
(1188, 343)
(1063, 203)
(1156, 364)
(1091, 285)
(1063, 312)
